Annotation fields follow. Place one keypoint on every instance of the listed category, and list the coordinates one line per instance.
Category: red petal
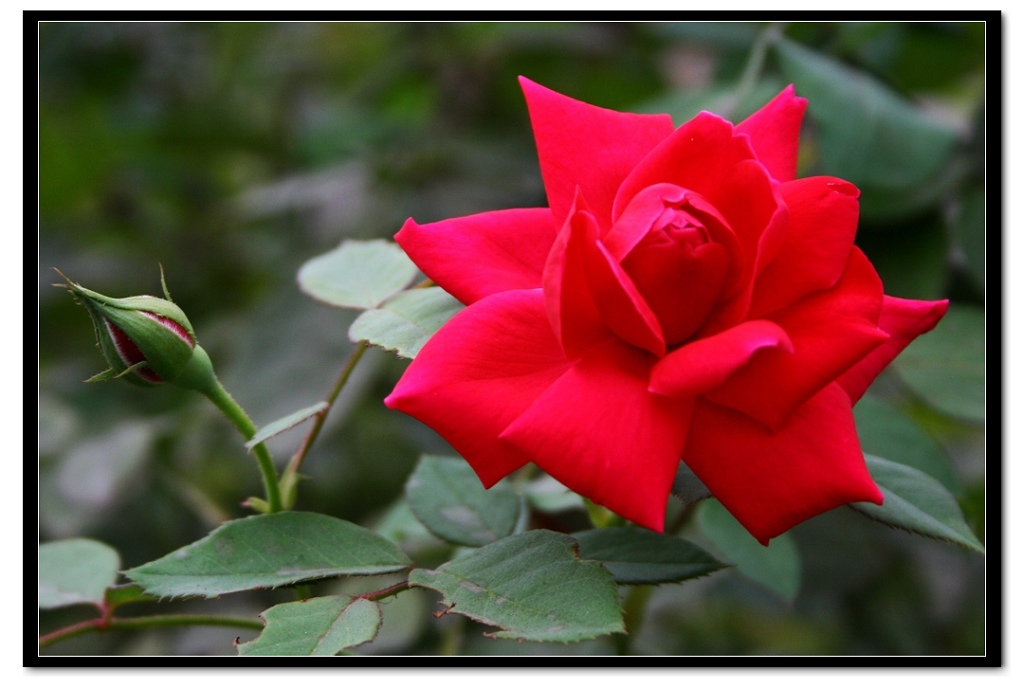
(478, 255)
(823, 215)
(704, 364)
(771, 481)
(697, 156)
(622, 308)
(599, 432)
(749, 201)
(904, 320)
(478, 373)
(589, 147)
(831, 331)
(774, 132)
(570, 305)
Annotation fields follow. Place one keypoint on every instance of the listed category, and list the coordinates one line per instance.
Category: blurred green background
(231, 153)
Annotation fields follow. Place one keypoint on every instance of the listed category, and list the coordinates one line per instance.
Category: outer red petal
(478, 255)
(774, 132)
(831, 331)
(581, 145)
(823, 214)
(771, 481)
(904, 320)
(704, 364)
(599, 432)
(478, 373)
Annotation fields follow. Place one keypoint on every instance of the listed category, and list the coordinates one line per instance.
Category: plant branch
(102, 624)
(321, 416)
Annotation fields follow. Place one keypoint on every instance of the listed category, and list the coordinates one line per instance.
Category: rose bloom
(684, 297)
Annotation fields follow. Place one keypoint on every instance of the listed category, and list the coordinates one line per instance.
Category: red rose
(684, 296)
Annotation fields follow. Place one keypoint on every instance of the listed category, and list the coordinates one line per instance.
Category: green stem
(318, 422)
(101, 624)
(230, 408)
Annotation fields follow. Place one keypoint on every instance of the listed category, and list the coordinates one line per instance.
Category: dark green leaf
(448, 498)
(970, 231)
(315, 627)
(76, 571)
(688, 487)
(287, 423)
(533, 586)
(357, 274)
(946, 367)
(268, 551)
(885, 429)
(867, 134)
(406, 322)
(917, 503)
(776, 566)
(640, 556)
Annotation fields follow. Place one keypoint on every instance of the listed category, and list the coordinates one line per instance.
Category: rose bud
(145, 339)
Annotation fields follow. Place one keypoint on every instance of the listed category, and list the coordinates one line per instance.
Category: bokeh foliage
(232, 153)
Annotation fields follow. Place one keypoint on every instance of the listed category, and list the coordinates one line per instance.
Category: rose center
(682, 264)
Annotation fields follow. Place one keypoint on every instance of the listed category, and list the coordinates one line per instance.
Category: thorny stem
(383, 593)
(109, 624)
(321, 416)
(230, 408)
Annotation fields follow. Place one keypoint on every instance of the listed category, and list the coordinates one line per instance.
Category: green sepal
(258, 505)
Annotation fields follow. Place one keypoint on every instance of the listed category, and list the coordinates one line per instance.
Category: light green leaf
(321, 626)
(640, 556)
(448, 498)
(917, 503)
(776, 566)
(885, 429)
(287, 423)
(268, 551)
(946, 367)
(549, 496)
(406, 322)
(533, 586)
(867, 134)
(75, 571)
(357, 274)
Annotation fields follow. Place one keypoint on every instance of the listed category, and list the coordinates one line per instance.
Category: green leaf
(130, 593)
(640, 556)
(286, 423)
(917, 503)
(688, 487)
(970, 232)
(532, 585)
(549, 496)
(448, 498)
(406, 322)
(357, 274)
(777, 566)
(867, 134)
(946, 367)
(321, 626)
(75, 571)
(885, 429)
(268, 551)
